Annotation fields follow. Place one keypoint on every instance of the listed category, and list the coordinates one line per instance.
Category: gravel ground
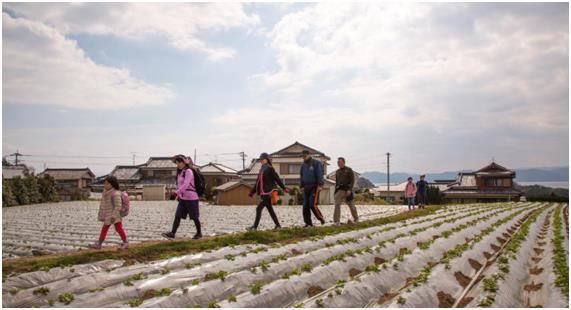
(68, 226)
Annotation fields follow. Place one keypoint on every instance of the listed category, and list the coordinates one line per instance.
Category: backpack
(125, 204)
(199, 183)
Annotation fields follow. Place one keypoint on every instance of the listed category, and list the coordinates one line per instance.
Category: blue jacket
(311, 174)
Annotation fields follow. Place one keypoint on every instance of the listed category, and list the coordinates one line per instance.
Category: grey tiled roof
(126, 172)
(69, 174)
(160, 162)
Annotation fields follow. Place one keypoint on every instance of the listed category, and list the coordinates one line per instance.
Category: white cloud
(180, 23)
(41, 66)
(487, 73)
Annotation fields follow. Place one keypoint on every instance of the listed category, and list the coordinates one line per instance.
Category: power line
(78, 156)
(68, 163)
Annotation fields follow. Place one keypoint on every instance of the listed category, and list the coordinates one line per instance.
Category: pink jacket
(185, 186)
(410, 190)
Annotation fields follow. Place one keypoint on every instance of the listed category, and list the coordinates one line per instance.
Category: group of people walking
(311, 182)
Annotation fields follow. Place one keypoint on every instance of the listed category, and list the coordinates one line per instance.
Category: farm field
(481, 255)
(70, 226)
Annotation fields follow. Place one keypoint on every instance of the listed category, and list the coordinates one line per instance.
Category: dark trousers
(265, 202)
(308, 200)
(184, 208)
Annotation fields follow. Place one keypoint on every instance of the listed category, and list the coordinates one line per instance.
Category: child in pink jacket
(410, 193)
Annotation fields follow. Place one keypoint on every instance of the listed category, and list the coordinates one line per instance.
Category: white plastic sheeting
(374, 285)
(38, 278)
(511, 291)
(442, 280)
(283, 293)
(184, 278)
(236, 283)
(115, 293)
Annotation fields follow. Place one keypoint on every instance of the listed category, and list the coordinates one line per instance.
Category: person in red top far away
(265, 185)
(409, 193)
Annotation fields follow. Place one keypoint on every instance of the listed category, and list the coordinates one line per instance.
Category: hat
(264, 156)
(182, 158)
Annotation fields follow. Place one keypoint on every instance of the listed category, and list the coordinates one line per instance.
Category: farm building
(394, 193)
(216, 174)
(71, 183)
(287, 163)
(233, 193)
(492, 183)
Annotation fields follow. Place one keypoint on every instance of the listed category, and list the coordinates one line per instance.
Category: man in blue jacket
(311, 181)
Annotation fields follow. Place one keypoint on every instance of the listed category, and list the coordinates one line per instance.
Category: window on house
(494, 182)
(293, 168)
(150, 173)
(284, 168)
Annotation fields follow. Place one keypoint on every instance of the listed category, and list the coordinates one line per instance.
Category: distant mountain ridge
(547, 174)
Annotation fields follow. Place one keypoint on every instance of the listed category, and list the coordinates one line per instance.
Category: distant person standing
(344, 183)
(409, 193)
(311, 181)
(110, 212)
(265, 187)
(187, 195)
(421, 192)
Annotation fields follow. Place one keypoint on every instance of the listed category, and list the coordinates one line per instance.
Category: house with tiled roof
(216, 174)
(393, 193)
(71, 183)
(492, 183)
(127, 175)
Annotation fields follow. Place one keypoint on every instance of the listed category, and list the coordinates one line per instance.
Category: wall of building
(154, 192)
(235, 196)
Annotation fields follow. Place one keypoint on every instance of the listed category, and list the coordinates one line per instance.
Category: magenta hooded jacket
(185, 189)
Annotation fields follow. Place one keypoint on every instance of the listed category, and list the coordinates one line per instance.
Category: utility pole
(134, 154)
(194, 156)
(388, 175)
(243, 155)
(16, 155)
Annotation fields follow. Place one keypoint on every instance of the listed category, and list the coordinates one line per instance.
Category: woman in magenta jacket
(187, 197)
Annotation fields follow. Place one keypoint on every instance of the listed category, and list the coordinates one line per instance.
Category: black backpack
(199, 183)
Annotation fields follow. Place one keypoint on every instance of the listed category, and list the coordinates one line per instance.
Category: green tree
(8, 199)
(20, 191)
(47, 188)
(31, 183)
(433, 195)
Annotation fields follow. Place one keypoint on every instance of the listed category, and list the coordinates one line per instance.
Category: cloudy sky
(441, 86)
